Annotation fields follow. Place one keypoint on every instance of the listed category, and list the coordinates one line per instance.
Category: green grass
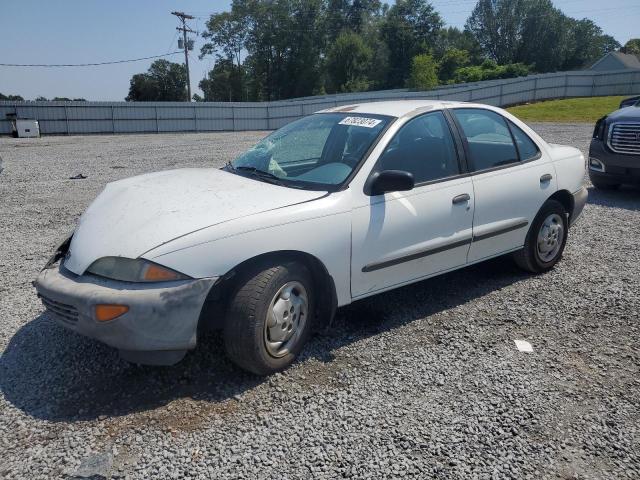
(587, 110)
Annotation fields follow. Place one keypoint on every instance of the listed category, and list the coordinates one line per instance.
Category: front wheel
(269, 318)
(545, 240)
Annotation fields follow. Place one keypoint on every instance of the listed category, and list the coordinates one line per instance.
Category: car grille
(66, 313)
(625, 138)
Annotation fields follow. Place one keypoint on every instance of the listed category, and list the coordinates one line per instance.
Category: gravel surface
(422, 382)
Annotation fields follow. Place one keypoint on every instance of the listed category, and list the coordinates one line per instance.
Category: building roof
(626, 60)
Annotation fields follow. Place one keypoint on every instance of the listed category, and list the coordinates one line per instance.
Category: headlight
(130, 270)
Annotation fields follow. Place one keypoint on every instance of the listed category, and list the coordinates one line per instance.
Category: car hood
(135, 215)
(626, 113)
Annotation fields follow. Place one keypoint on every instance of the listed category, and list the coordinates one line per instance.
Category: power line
(85, 64)
(175, 35)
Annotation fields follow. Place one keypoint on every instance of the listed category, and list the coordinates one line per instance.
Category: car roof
(399, 108)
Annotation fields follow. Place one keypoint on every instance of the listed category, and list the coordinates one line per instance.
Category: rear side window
(490, 142)
(526, 147)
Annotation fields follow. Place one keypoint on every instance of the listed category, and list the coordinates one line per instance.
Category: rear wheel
(545, 240)
(269, 318)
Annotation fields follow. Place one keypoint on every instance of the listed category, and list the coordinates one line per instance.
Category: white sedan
(334, 207)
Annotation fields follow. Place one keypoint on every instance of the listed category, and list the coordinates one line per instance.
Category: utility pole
(184, 17)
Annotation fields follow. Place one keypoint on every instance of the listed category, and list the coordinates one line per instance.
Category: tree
(632, 46)
(409, 29)
(164, 82)
(348, 63)
(283, 45)
(227, 34)
(349, 15)
(496, 26)
(15, 98)
(587, 44)
(276, 49)
(378, 69)
(361, 13)
(424, 72)
(536, 33)
(452, 60)
(454, 38)
(224, 83)
(490, 70)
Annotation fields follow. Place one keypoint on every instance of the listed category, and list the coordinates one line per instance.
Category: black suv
(614, 154)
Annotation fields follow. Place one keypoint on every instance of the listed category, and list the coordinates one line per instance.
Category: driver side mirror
(390, 181)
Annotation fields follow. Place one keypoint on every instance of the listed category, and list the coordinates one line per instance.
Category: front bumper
(579, 201)
(159, 327)
(618, 168)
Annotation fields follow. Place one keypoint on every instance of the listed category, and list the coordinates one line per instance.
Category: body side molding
(414, 256)
(504, 227)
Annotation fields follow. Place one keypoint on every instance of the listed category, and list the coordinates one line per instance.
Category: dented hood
(135, 215)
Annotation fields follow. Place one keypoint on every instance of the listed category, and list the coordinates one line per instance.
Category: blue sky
(89, 31)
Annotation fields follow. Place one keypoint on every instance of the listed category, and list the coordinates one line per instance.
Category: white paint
(523, 346)
(138, 214)
(395, 225)
(204, 222)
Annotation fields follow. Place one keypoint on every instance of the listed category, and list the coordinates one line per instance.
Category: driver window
(424, 147)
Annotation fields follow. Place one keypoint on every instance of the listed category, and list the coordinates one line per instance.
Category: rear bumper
(579, 201)
(160, 325)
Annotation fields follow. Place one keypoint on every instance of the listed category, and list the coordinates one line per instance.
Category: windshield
(319, 151)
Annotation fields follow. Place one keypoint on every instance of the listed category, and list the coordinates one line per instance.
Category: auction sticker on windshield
(360, 121)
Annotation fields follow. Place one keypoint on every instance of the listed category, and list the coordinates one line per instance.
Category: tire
(286, 289)
(538, 259)
(604, 186)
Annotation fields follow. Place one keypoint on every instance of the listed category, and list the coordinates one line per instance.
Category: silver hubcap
(286, 319)
(550, 237)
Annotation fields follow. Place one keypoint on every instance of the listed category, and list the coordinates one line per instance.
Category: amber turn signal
(104, 313)
(156, 273)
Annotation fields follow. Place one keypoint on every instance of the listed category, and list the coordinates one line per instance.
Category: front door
(400, 237)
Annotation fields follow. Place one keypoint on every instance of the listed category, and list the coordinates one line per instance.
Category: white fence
(154, 117)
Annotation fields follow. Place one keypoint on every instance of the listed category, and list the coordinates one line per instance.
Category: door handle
(465, 197)
(546, 178)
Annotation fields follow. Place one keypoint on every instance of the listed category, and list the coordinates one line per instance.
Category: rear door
(511, 180)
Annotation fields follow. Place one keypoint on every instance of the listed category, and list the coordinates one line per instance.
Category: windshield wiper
(269, 177)
(259, 173)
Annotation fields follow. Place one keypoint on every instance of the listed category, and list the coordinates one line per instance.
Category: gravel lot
(422, 382)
